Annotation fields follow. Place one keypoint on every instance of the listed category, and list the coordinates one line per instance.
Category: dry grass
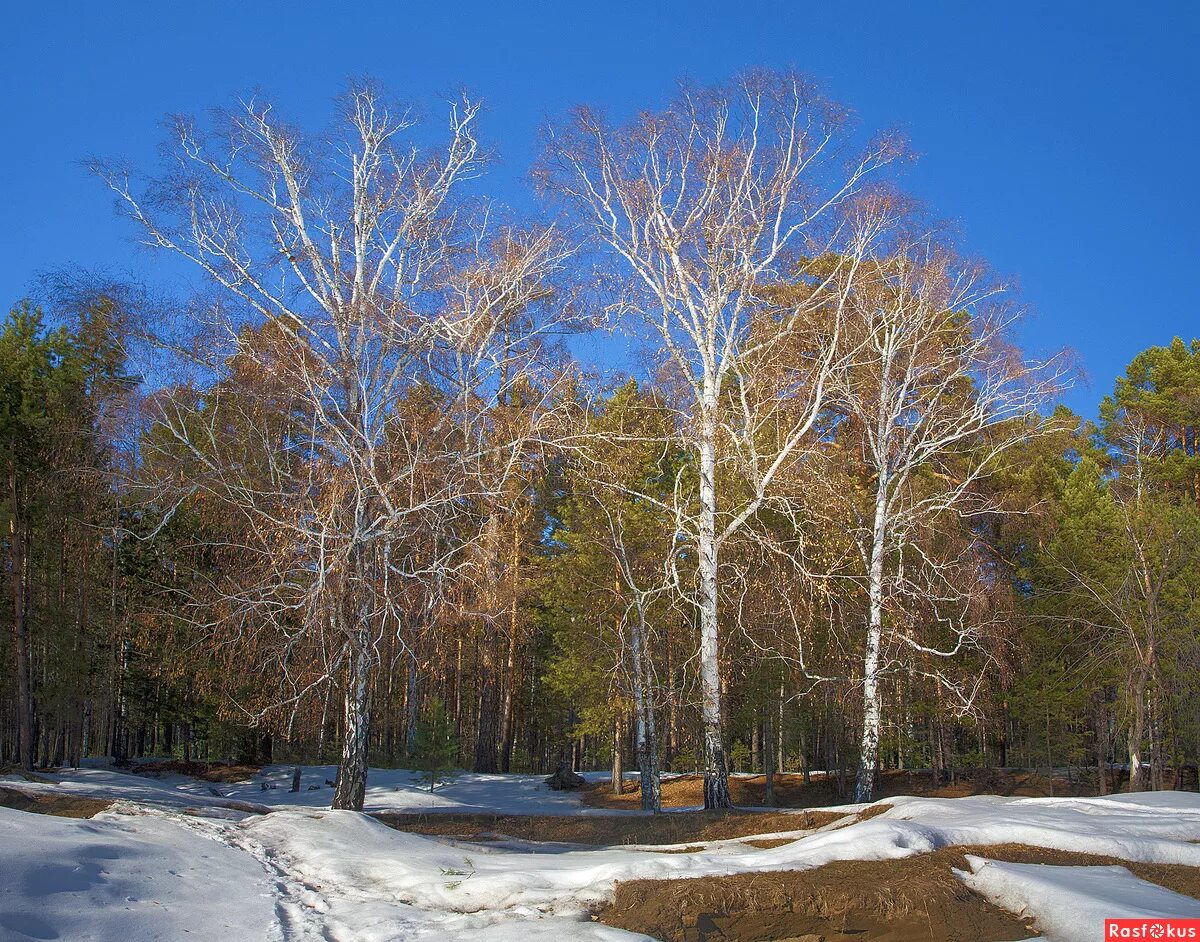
(792, 792)
(222, 772)
(609, 829)
(908, 900)
(63, 806)
(884, 901)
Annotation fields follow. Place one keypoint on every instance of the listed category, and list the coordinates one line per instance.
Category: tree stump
(564, 779)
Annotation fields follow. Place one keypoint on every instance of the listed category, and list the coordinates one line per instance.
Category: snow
(1146, 827)
(1070, 904)
(117, 877)
(393, 790)
(342, 875)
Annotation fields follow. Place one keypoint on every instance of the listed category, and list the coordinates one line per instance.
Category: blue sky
(1062, 138)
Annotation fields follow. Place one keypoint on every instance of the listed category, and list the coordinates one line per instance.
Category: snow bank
(1070, 904)
(396, 790)
(1147, 828)
(125, 879)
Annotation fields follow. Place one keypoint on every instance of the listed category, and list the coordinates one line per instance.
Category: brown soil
(908, 900)
(63, 806)
(791, 792)
(207, 771)
(609, 829)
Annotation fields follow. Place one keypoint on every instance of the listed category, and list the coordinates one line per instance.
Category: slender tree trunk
(85, 730)
(413, 697)
(647, 735)
(716, 769)
(487, 727)
(323, 731)
(1101, 721)
(864, 787)
(352, 774)
(25, 740)
(506, 708)
(1137, 733)
(510, 660)
(769, 763)
(805, 765)
(618, 768)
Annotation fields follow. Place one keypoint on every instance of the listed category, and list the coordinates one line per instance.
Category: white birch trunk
(869, 748)
(352, 773)
(716, 772)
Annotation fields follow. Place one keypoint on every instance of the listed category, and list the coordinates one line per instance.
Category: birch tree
(699, 206)
(376, 318)
(935, 397)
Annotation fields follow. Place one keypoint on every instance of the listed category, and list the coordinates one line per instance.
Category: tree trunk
(647, 735)
(506, 708)
(510, 660)
(805, 765)
(1137, 733)
(25, 740)
(769, 764)
(485, 742)
(716, 770)
(1101, 749)
(618, 768)
(352, 774)
(864, 787)
(413, 697)
(322, 732)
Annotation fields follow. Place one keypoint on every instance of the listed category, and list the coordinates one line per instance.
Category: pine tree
(436, 744)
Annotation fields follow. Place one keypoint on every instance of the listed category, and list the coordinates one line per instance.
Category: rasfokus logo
(1152, 929)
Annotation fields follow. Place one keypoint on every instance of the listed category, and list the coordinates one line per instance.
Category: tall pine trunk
(412, 697)
(617, 780)
(510, 660)
(1101, 721)
(23, 659)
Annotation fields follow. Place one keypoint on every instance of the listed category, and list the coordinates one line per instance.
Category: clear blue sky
(1063, 138)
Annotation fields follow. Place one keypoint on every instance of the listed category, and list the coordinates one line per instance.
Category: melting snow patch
(1070, 904)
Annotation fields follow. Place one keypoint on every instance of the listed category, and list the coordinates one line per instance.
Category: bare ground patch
(915, 899)
(613, 830)
(791, 791)
(221, 772)
(63, 806)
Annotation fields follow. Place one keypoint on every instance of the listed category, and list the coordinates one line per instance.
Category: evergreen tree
(436, 744)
